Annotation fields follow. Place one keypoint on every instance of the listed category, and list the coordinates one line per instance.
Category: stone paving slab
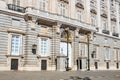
(57, 75)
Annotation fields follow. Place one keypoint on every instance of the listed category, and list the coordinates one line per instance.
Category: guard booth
(61, 62)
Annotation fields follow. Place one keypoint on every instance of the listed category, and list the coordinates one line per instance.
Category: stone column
(109, 18)
(98, 16)
(118, 20)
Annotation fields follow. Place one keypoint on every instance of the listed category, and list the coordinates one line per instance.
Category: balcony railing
(16, 8)
(105, 32)
(115, 34)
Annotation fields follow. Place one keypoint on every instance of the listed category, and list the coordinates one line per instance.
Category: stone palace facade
(40, 35)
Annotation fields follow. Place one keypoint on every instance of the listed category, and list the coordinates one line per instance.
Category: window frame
(20, 52)
(48, 48)
(107, 53)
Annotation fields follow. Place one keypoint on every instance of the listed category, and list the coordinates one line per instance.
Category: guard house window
(16, 2)
(44, 46)
(79, 14)
(15, 22)
(43, 5)
(107, 53)
(15, 44)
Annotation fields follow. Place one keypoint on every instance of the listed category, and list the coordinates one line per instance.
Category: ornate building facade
(54, 34)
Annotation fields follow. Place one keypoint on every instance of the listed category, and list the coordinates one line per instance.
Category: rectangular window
(116, 54)
(95, 51)
(79, 15)
(93, 20)
(43, 5)
(44, 46)
(15, 23)
(63, 10)
(15, 44)
(104, 24)
(107, 53)
(83, 50)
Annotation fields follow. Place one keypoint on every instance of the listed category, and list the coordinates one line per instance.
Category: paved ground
(56, 75)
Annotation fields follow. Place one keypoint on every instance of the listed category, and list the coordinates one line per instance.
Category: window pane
(44, 46)
(15, 44)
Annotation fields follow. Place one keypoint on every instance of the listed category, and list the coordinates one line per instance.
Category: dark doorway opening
(117, 65)
(107, 65)
(96, 65)
(14, 64)
(43, 64)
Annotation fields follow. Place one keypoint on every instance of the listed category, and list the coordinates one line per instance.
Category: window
(83, 50)
(104, 24)
(79, 15)
(15, 23)
(43, 5)
(44, 46)
(107, 53)
(93, 20)
(114, 29)
(16, 2)
(63, 8)
(15, 45)
(95, 52)
(116, 54)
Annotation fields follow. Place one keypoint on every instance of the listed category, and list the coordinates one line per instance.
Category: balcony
(16, 8)
(105, 32)
(54, 17)
(115, 34)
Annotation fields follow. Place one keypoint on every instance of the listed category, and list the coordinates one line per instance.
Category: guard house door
(43, 64)
(14, 64)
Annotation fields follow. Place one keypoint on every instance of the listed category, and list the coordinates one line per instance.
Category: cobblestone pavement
(57, 75)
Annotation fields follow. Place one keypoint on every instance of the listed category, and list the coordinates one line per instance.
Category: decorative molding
(27, 17)
(113, 19)
(66, 1)
(10, 30)
(104, 15)
(45, 35)
(107, 45)
(79, 5)
(93, 11)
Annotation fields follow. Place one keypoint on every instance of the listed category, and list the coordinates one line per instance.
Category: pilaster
(30, 40)
(98, 16)
(109, 18)
(55, 45)
(117, 16)
(87, 11)
(3, 4)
